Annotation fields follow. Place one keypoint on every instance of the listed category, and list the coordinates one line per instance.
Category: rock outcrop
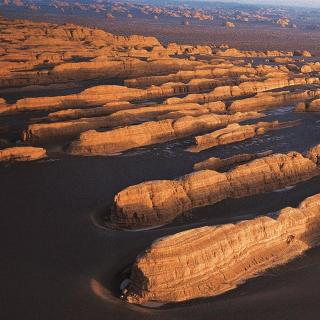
(266, 100)
(218, 164)
(232, 52)
(22, 154)
(211, 260)
(102, 95)
(245, 88)
(153, 132)
(235, 133)
(155, 203)
(127, 115)
(223, 69)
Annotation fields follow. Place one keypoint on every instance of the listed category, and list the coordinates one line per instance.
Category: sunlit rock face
(148, 133)
(234, 133)
(157, 202)
(209, 261)
(22, 154)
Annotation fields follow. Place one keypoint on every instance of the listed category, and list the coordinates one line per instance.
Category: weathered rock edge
(158, 202)
(209, 261)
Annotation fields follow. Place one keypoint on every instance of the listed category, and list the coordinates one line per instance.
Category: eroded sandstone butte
(110, 142)
(209, 261)
(158, 202)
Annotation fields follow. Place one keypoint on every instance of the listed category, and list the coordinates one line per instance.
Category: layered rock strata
(222, 70)
(245, 88)
(235, 133)
(59, 131)
(153, 132)
(158, 202)
(209, 261)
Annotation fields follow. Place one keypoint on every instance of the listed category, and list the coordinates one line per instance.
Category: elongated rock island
(209, 261)
(158, 202)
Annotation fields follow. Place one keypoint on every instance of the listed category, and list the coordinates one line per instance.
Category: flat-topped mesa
(309, 106)
(216, 164)
(155, 203)
(265, 100)
(62, 131)
(235, 133)
(22, 154)
(245, 88)
(152, 132)
(208, 261)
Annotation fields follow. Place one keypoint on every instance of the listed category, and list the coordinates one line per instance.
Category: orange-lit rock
(234, 133)
(22, 154)
(154, 203)
(310, 106)
(211, 260)
(148, 133)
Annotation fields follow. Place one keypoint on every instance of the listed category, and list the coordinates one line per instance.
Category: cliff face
(157, 202)
(209, 261)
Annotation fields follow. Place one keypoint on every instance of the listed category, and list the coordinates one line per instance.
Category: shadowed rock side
(158, 202)
(235, 133)
(310, 106)
(118, 140)
(22, 154)
(209, 261)
(214, 163)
